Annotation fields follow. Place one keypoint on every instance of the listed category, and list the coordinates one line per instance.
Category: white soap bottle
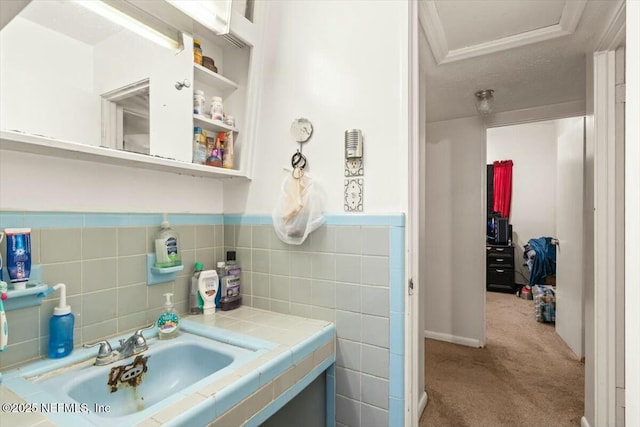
(209, 288)
(166, 244)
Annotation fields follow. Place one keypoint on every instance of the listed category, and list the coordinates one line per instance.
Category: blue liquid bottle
(60, 325)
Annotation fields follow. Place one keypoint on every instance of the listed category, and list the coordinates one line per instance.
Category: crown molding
(615, 31)
(433, 29)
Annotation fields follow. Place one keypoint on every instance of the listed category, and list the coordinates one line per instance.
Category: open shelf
(17, 141)
(27, 297)
(214, 80)
(211, 125)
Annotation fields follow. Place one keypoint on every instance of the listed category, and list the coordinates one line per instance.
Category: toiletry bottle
(227, 155)
(221, 269)
(166, 243)
(231, 284)
(18, 255)
(4, 327)
(60, 325)
(1, 237)
(168, 322)
(195, 306)
(208, 287)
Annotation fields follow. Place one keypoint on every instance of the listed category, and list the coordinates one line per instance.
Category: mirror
(66, 73)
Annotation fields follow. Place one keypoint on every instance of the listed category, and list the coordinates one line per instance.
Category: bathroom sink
(141, 384)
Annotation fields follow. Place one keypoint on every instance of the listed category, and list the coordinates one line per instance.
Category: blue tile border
(396, 325)
(10, 219)
(90, 219)
(393, 220)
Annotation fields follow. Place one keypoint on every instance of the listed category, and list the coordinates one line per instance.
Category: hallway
(525, 376)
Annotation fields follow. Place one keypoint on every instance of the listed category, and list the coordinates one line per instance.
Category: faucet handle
(144, 328)
(104, 350)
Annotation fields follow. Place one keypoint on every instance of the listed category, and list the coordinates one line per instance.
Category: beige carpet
(525, 376)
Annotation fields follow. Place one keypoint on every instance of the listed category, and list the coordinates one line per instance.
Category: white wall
(532, 147)
(455, 228)
(570, 233)
(31, 182)
(342, 65)
(46, 80)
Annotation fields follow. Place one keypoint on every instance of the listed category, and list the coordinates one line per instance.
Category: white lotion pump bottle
(209, 289)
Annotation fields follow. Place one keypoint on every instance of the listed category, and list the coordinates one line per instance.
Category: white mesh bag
(298, 211)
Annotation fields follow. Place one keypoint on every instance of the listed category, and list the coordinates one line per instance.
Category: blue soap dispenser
(60, 325)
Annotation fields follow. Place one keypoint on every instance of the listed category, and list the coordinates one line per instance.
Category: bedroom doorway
(545, 218)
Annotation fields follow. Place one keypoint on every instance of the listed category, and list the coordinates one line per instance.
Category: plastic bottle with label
(199, 102)
(199, 146)
(197, 52)
(217, 108)
(166, 245)
(168, 322)
(227, 155)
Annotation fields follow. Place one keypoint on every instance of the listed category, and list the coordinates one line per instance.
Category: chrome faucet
(135, 344)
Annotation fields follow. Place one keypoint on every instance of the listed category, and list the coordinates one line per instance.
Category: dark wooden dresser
(501, 268)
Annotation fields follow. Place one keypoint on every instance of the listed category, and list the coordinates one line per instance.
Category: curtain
(502, 171)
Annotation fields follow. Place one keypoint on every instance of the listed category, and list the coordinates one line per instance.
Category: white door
(170, 115)
(569, 230)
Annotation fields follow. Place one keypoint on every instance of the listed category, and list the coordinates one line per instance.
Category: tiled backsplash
(350, 272)
(352, 275)
(104, 268)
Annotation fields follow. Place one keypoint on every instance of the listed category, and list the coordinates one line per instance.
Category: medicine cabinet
(69, 102)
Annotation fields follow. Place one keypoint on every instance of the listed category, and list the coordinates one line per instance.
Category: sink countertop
(300, 349)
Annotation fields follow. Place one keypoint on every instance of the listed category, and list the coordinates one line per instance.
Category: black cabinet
(501, 268)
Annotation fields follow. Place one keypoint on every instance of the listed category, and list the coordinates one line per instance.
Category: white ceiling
(530, 52)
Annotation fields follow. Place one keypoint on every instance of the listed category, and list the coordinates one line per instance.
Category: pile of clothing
(540, 257)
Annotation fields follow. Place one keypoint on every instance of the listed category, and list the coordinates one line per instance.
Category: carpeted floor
(525, 376)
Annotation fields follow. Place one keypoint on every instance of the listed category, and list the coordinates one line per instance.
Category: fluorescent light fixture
(118, 17)
(213, 14)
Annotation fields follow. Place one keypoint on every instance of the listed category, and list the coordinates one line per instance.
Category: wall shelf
(28, 297)
(27, 143)
(157, 275)
(214, 80)
(211, 125)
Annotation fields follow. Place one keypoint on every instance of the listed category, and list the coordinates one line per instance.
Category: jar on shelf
(230, 121)
(199, 146)
(197, 52)
(198, 102)
(217, 111)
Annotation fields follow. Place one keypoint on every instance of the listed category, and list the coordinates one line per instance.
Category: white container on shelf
(217, 109)
(199, 102)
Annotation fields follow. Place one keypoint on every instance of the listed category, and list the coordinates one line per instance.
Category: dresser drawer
(500, 275)
(499, 250)
(500, 261)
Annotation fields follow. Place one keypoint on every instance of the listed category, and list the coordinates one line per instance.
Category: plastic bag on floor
(298, 211)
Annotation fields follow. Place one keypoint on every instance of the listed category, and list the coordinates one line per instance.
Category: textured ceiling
(542, 73)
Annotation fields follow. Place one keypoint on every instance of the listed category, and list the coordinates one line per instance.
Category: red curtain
(502, 171)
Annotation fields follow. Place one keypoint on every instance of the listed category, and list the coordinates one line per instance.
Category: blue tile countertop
(293, 351)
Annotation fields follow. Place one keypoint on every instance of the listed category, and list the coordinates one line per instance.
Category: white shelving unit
(214, 80)
(171, 109)
(211, 125)
(52, 147)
